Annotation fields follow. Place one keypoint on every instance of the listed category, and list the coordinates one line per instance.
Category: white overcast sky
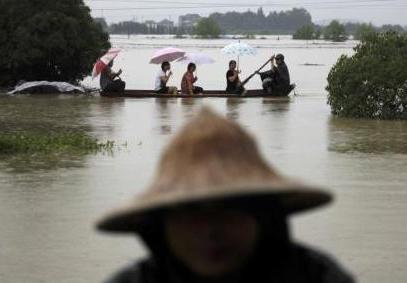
(376, 11)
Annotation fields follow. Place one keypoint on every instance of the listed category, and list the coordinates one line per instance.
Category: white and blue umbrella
(239, 49)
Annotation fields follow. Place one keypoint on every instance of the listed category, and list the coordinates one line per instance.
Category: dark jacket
(279, 74)
(309, 266)
(283, 75)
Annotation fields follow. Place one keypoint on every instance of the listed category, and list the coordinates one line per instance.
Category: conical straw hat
(212, 160)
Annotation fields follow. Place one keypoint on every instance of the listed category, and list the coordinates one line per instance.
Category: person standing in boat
(189, 80)
(217, 212)
(110, 81)
(162, 79)
(277, 80)
(233, 83)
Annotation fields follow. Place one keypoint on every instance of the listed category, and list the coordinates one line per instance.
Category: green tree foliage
(335, 31)
(364, 30)
(354, 28)
(48, 40)
(373, 82)
(284, 22)
(394, 28)
(207, 28)
(307, 32)
(102, 22)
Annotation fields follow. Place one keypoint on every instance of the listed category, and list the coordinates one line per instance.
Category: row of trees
(285, 22)
(336, 31)
(130, 27)
(205, 28)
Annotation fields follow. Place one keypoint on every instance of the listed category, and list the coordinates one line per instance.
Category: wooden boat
(207, 94)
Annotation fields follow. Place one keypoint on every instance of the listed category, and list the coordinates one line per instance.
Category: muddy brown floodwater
(48, 203)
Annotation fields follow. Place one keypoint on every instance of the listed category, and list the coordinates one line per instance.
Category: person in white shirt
(162, 78)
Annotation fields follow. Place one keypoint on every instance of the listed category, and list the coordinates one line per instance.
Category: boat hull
(206, 94)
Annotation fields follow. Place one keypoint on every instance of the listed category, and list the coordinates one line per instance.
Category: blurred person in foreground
(216, 212)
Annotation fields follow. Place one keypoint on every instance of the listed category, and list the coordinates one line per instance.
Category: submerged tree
(48, 40)
(307, 32)
(364, 31)
(207, 28)
(335, 31)
(373, 82)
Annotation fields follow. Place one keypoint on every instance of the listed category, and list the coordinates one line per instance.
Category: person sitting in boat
(277, 80)
(188, 81)
(162, 78)
(233, 83)
(111, 81)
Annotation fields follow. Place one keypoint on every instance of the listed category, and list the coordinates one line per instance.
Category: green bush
(48, 40)
(373, 82)
(364, 31)
(207, 28)
(335, 31)
(307, 32)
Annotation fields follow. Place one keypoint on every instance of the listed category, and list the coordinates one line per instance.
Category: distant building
(188, 21)
(166, 26)
(151, 26)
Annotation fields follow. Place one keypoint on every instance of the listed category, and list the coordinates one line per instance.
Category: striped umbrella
(103, 61)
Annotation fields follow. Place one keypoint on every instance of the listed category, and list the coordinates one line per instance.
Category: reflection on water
(46, 212)
(361, 161)
(270, 106)
(233, 106)
(365, 136)
(22, 163)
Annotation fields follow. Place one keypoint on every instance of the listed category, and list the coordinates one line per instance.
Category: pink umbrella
(102, 62)
(197, 58)
(167, 54)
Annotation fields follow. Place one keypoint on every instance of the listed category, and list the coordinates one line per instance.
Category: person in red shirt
(188, 81)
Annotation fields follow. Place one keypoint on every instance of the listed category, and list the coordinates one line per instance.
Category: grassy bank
(31, 142)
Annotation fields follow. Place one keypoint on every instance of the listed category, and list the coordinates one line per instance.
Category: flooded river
(49, 203)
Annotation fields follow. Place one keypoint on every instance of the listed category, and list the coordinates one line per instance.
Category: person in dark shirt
(277, 80)
(233, 83)
(110, 81)
(217, 212)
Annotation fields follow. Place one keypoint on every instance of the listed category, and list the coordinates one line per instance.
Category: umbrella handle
(238, 62)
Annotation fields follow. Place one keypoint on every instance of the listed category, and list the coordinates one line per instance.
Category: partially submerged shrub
(335, 31)
(373, 82)
(14, 143)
